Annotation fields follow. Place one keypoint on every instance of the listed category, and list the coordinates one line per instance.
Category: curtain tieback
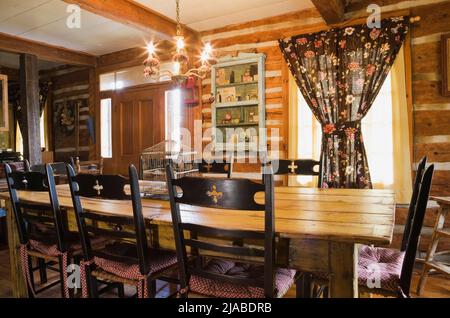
(348, 127)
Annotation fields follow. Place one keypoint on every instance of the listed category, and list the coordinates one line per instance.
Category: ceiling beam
(45, 51)
(136, 16)
(332, 11)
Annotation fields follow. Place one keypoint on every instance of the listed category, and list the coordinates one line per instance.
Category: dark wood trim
(136, 16)
(29, 86)
(332, 11)
(45, 51)
(445, 44)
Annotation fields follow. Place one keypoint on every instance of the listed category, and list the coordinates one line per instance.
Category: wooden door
(138, 122)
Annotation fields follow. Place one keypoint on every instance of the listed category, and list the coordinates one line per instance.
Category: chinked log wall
(262, 37)
(74, 84)
(431, 109)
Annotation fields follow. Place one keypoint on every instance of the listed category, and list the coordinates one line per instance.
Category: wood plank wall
(431, 109)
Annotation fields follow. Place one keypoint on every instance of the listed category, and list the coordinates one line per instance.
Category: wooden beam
(136, 16)
(332, 11)
(45, 51)
(29, 100)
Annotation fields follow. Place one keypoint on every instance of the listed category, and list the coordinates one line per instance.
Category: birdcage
(153, 167)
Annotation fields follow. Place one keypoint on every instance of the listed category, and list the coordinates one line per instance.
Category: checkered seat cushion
(73, 247)
(380, 267)
(159, 260)
(377, 268)
(284, 279)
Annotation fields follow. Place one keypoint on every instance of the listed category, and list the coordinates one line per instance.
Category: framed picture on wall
(446, 64)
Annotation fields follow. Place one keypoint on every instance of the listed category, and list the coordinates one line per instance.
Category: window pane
(173, 115)
(107, 82)
(106, 125)
(377, 134)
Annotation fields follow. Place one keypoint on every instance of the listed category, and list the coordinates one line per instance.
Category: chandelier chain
(178, 18)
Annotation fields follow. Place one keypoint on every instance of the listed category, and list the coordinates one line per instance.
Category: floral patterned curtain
(340, 72)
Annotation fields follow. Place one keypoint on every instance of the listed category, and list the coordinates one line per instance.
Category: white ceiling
(45, 21)
(202, 15)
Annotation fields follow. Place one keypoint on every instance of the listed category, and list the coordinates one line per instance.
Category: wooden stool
(438, 233)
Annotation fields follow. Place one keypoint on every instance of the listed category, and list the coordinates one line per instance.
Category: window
(43, 131)
(173, 116)
(133, 76)
(106, 128)
(376, 126)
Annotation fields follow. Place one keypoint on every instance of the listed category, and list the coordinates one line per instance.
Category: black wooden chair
(126, 258)
(219, 276)
(15, 166)
(298, 167)
(214, 167)
(388, 271)
(41, 230)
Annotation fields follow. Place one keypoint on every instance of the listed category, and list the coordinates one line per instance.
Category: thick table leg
(18, 284)
(343, 262)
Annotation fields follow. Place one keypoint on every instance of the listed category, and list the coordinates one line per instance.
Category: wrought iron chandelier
(180, 58)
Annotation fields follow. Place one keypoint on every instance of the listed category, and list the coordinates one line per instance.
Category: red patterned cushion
(74, 246)
(380, 267)
(159, 260)
(284, 278)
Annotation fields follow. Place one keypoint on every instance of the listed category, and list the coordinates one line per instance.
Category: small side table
(439, 232)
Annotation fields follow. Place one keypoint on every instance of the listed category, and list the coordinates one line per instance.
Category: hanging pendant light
(180, 58)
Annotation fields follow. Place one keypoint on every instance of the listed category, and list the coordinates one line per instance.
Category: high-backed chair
(221, 277)
(298, 167)
(41, 230)
(127, 258)
(388, 271)
(15, 166)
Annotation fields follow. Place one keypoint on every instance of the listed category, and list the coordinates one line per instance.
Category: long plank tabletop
(347, 215)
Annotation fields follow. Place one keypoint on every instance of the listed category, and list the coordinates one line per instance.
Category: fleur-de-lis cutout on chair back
(214, 194)
(98, 187)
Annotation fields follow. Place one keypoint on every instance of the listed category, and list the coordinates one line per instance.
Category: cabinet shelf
(235, 104)
(236, 125)
(237, 84)
(245, 110)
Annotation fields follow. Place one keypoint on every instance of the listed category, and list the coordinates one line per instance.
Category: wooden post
(343, 262)
(29, 101)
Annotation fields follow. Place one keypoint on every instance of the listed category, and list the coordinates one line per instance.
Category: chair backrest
(15, 166)
(33, 220)
(122, 229)
(298, 167)
(232, 194)
(87, 167)
(213, 167)
(102, 186)
(412, 204)
(57, 167)
(416, 227)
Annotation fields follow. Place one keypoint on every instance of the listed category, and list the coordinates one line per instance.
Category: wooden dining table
(318, 230)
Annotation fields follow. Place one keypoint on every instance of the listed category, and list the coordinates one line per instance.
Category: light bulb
(208, 48)
(176, 68)
(180, 43)
(204, 56)
(151, 48)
